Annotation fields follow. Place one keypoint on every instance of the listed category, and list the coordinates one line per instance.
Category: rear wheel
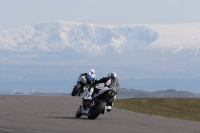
(96, 112)
(76, 90)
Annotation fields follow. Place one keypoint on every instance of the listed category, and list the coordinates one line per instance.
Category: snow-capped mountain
(84, 38)
(100, 39)
(49, 55)
(177, 37)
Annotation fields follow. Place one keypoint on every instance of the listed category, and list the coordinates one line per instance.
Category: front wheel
(78, 113)
(96, 112)
(76, 90)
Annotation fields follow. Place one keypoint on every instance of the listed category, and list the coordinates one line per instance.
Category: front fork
(86, 106)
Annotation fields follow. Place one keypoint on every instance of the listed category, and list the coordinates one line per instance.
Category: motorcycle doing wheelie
(92, 108)
(82, 84)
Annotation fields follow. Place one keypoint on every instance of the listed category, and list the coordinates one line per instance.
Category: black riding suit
(113, 84)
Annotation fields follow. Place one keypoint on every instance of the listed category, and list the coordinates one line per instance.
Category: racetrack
(56, 114)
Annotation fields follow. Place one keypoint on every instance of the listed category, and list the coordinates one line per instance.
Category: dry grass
(181, 108)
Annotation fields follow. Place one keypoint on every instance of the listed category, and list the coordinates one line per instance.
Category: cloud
(83, 38)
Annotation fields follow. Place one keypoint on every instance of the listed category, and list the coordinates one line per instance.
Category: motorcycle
(92, 108)
(80, 87)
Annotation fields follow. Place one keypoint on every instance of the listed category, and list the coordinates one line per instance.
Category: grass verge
(181, 108)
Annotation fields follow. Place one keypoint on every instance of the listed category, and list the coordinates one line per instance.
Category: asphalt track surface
(56, 114)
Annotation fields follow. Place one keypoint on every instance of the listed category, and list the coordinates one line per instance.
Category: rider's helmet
(92, 71)
(113, 80)
(91, 76)
(112, 75)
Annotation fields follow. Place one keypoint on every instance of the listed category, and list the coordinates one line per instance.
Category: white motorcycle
(80, 87)
(92, 108)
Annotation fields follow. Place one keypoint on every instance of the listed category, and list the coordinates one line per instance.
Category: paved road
(56, 114)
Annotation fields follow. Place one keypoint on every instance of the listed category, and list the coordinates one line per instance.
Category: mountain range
(100, 39)
(49, 56)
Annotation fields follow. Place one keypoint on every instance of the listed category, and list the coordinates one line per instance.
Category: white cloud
(93, 39)
(83, 38)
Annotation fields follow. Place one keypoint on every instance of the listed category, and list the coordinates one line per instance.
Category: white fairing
(108, 82)
(83, 80)
(102, 91)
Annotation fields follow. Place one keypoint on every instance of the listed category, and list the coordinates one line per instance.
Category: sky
(17, 13)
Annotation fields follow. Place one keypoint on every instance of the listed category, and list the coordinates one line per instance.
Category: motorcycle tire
(76, 90)
(78, 113)
(97, 111)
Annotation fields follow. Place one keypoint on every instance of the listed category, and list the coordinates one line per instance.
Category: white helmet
(112, 75)
(92, 71)
(91, 75)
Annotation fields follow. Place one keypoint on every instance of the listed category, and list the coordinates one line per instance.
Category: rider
(90, 76)
(111, 81)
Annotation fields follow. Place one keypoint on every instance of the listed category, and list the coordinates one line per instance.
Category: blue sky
(16, 13)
